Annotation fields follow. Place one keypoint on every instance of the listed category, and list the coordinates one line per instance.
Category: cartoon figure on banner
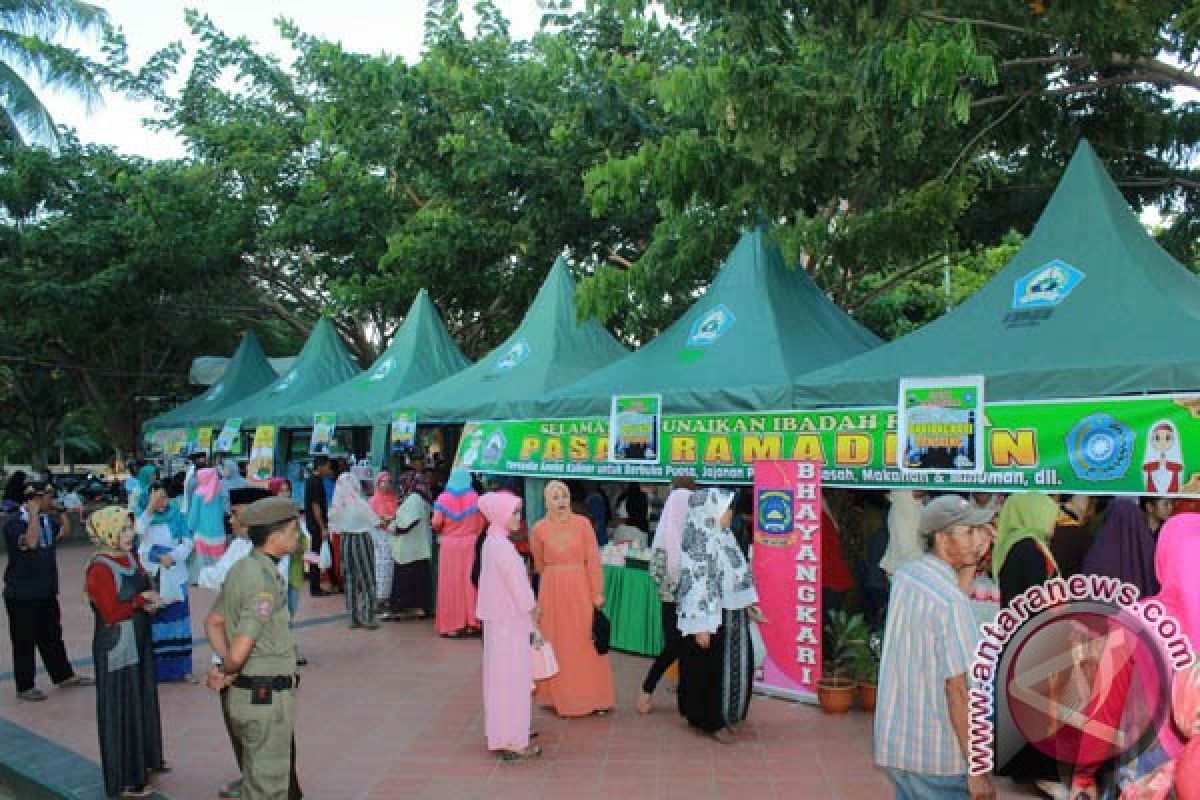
(1163, 465)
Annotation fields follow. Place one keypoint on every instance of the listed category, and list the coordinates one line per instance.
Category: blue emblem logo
(710, 327)
(287, 382)
(775, 515)
(514, 356)
(382, 369)
(1047, 286)
(1100, 448)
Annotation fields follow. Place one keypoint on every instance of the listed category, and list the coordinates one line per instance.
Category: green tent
(738, 348)
(1090, 306)
(550, 348)
(322, 363)
(246, 372)
(420, 355)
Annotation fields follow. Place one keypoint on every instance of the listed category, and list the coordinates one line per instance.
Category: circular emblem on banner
(1100, 448)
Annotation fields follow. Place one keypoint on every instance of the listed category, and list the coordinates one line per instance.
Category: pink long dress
(568, 561)
(506, 605)
(457, 521)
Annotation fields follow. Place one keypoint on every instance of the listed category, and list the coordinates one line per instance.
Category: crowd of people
(952, 563)
(948, 563)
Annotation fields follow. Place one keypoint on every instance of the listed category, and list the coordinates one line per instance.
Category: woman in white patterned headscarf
(717, 601)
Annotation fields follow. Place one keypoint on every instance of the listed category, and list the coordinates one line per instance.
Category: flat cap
(269, 511)
(949, 510)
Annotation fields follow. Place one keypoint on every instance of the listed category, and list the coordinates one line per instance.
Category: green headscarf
(145, 478)
(1024, 516)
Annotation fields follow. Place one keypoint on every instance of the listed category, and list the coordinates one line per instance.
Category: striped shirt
(930, 637)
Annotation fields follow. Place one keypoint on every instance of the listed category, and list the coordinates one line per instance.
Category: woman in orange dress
(572, 587)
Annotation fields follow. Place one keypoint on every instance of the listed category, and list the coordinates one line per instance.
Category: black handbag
(601, 630)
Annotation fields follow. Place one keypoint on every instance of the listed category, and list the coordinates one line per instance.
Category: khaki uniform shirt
(253, 601)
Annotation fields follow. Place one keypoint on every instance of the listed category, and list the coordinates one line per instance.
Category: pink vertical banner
(786, 561)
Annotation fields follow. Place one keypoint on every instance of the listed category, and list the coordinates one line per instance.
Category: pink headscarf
(497, 508)
(668, 536)
(384, 503)
(275, 485)
(349, 512)
(208, 483)
(1175, 562)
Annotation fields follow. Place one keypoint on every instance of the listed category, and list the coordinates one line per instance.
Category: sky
(370, 26)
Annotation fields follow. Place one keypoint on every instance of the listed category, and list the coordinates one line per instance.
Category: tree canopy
(888, 145)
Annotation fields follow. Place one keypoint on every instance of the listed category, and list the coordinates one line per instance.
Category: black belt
(275, 682)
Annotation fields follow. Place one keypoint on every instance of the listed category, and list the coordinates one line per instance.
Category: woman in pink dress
(458, 523)
(572, 588)
(506, 604)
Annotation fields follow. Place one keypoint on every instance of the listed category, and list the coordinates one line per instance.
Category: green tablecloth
(632, 604)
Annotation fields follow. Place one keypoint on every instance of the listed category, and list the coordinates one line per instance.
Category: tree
(27, 28)
(118, 271)
(881, 139)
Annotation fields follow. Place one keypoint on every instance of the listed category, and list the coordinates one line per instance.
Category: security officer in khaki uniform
(248, 629)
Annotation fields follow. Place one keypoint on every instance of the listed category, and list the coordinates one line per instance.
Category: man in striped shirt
(929, 642)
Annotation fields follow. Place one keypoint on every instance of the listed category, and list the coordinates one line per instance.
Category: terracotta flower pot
(866, 694)
(836, 695)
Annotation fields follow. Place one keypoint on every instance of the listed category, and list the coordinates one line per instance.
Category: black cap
(247, 495)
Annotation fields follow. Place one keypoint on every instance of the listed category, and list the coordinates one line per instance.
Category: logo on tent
(1047, 286)
(287, 382)
(1100, 448)
(215, 392)
(710, 327)
(382, 369)
(515, 355)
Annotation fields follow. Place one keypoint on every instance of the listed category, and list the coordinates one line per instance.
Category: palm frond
(9, 131)
(59, 68)
(22, 106)
(49, 18)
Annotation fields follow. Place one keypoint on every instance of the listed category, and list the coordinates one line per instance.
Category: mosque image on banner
(324, 426)
(634, 429)
(941, 421)
(787, 573)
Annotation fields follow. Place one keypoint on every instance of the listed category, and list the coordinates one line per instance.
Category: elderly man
(921, 716)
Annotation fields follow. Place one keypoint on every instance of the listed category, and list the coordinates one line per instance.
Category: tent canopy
(421, 354)
(246, 373)
(322, 363)
(1090, 306)
(738, 348)
(207, 370)
(549, 349)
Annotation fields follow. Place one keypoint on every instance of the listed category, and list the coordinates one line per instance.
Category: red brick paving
(396, 714)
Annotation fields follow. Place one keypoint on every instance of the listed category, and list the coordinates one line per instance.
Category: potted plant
(865, 667)
(836, 689)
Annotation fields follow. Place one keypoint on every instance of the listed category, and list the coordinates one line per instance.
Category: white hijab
(668, 535)
(904, 537)
(349, 511)
(713, 575)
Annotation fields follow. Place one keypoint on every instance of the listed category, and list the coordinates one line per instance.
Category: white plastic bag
(757, 646)
(325, 561)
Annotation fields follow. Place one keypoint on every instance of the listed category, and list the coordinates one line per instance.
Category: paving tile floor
(395, 714)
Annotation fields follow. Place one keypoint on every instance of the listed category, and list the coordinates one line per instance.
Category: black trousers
(37, 624)
(672, 645)
(314, 572)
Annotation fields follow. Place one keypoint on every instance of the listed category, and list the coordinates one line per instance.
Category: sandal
(137, 791)
(512, 756)
(163, 767)
(453, 635)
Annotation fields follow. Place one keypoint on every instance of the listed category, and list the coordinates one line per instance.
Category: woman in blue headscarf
(458, 523)
(164, 547)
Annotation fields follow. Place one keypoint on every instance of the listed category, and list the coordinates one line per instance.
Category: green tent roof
(246, 372)
(1090, 306)
(550, 348)
(420, 355)
(738, 348)
(322, 363)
